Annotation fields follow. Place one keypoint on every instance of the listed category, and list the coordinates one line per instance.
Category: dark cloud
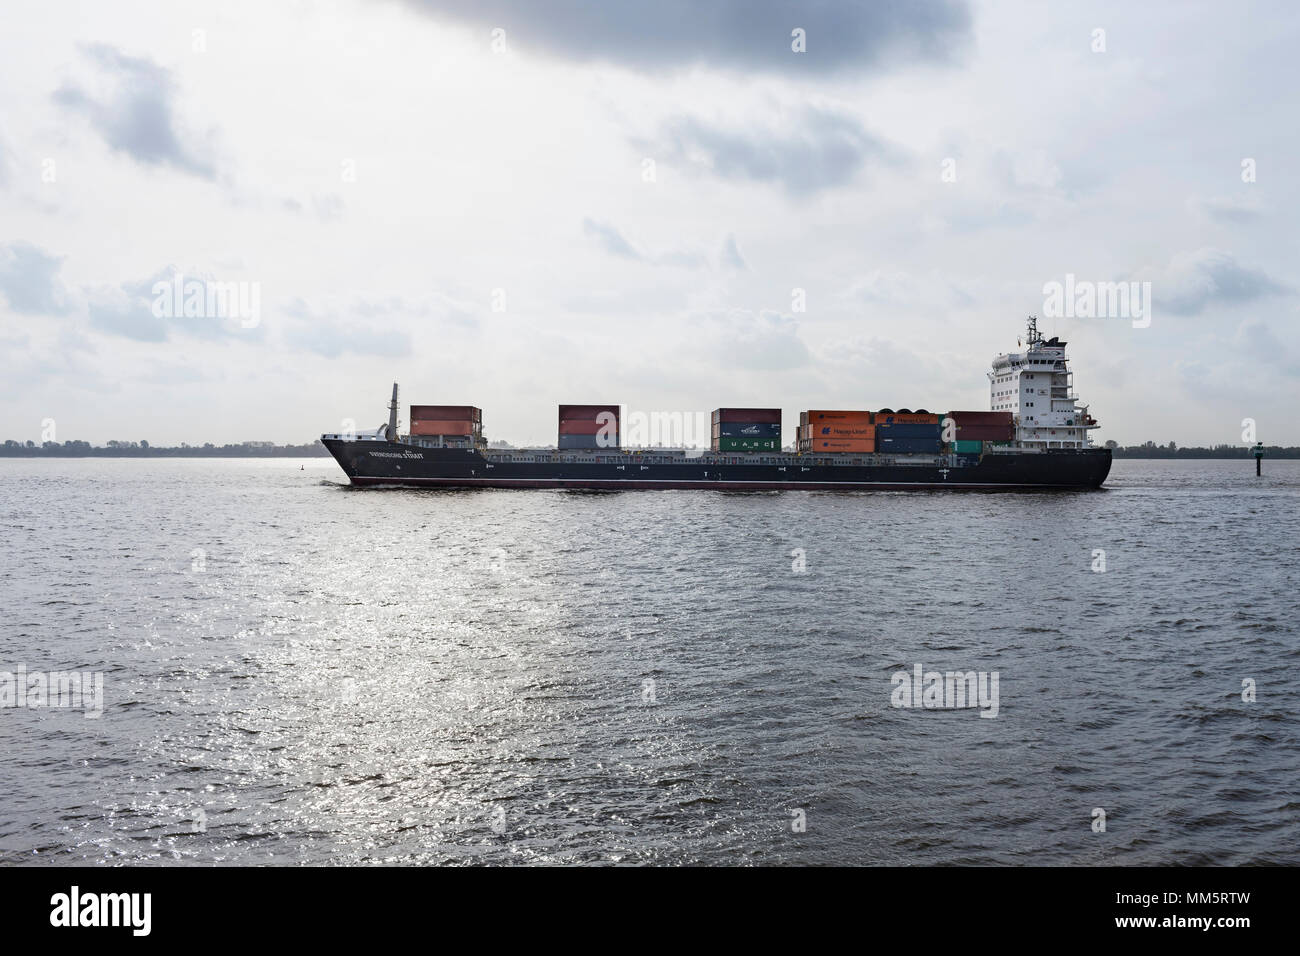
(29, 279)
(1210, 277)
(135, 112)
(747, 35)
(1228, 210)
(814, 150)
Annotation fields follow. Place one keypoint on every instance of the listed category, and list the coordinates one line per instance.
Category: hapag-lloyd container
(844, 431)
(905, 418)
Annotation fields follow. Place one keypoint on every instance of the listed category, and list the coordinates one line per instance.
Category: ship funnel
(392, 416)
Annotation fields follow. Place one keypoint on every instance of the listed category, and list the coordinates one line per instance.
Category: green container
(968, 447)
(748, 444)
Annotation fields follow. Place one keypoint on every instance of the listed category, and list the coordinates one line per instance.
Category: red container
(986, 432)
(750, 416)
(583, 426)
(981, 418)
(434, 427)
(585, 412)
(819, 416)
(446, 413)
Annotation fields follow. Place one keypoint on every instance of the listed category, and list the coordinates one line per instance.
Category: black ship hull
(374, 462)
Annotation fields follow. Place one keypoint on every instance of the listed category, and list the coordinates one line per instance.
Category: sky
(515, 204)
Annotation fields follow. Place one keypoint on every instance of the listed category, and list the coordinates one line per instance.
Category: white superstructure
(1037, 387)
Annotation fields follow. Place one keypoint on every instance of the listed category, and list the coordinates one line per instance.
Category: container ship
(1034, 435)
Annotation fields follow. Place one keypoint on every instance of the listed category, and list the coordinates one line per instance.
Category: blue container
(748, 429)
(908, 431)
(906, 446)
(585, 442)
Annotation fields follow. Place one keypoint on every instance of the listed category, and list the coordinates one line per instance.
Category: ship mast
(392, 416)
(1032, 336)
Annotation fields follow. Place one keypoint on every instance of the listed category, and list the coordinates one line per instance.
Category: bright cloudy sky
(386, 174)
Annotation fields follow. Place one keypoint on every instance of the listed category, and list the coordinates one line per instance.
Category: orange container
(434, 427)
(850, 431)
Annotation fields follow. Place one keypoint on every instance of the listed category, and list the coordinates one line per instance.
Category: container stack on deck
(973, 429)
(746, 429)
(455, 424)
(589, 427)
(824, 431)
(905, 432)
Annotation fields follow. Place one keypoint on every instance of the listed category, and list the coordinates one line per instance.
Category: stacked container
(462, 423)
(983, 426)
(589, 427)
(842, 432)
(746, 429)
(906, 432)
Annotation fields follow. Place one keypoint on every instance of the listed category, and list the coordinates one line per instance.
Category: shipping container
(985, 432)
(746, 415)
(433, 427)
(847, 431)
(747, 430)
(584, 426)
(839, 446)
(746, 444)
(445, 413)
(886, 417)
(820, 416)
(907, 446)
(968, 447)
(587, 412)
(588, 442)
(981, 418)
(907, 430)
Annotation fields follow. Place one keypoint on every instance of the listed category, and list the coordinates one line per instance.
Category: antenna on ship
(392, 416)
(1032, 336)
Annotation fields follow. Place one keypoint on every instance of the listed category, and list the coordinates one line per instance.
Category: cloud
(323, 333)
(742, 35)
(812, 150)
(29, 279)
(610, 239)
(132, 309)
(1197, 280)
(1226, 209)
(6, 165)
(731, 256)
(768, 341)
(135, 115)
